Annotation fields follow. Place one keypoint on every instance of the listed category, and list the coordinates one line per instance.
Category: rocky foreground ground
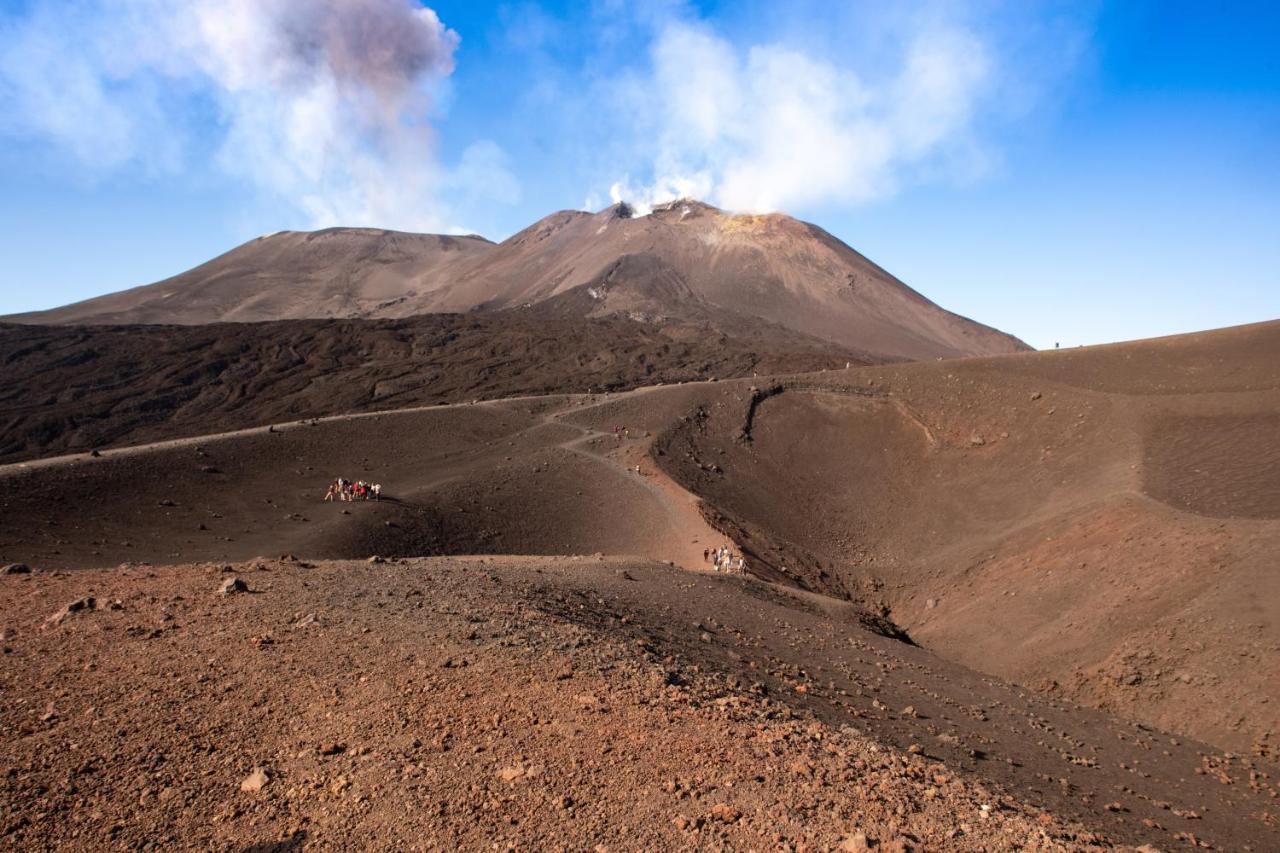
(477, 703)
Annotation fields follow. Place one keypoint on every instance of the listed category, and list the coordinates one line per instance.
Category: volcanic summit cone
(686, 261)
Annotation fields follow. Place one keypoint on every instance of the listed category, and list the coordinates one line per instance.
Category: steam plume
(324, 104)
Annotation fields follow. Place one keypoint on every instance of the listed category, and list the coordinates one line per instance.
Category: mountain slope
(774, 266)
(334, 273)
(686, 261)
(70, 388)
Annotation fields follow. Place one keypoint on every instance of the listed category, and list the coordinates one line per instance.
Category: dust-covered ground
(1097, 526)
(77, 388)
(554, 703)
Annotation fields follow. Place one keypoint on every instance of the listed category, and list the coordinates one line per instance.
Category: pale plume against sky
(333, 106)
(326, 104)
(768, 128)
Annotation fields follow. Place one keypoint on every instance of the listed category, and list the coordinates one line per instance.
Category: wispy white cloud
(760, 127)
(322, 104)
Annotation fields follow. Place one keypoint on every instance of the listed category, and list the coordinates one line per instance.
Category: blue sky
(1068, 172)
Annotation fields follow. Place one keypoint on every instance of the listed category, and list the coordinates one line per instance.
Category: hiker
(329, 495)
(377, 491)
(706, 555)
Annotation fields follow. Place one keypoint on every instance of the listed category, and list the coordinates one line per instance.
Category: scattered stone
(16, 569)
(78, 606)
(232, 585)
(725, 813)
(510, 774)
(976, 440)
(167, 502)
(255, 781)
(375, 559)
(930, 603)
(1035, 395)
(855, 843)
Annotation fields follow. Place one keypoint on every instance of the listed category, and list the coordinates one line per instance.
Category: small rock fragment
(855, 843)
(255, 781)
(725, 813)
(16, 569)
(232, 585)
(78, 606)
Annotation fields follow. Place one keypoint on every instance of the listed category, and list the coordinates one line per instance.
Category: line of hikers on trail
(724, 560)
(346, 490)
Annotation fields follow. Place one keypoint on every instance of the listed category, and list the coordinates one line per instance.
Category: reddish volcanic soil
(551, 703)
(1096, 525)
(1100, 524)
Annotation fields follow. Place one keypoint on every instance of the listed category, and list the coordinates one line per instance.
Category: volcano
(684, 262)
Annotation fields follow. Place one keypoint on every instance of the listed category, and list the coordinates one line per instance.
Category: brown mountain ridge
(687, 261)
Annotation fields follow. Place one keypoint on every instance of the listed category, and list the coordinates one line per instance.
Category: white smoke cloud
(323, 104)
(769, 127)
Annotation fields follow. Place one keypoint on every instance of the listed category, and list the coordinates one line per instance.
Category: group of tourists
(346, 490)
(724, 560)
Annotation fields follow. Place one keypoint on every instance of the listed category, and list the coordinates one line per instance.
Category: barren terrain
(687, 262)
(1048, 574)
(555, 703)
(81, 388)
